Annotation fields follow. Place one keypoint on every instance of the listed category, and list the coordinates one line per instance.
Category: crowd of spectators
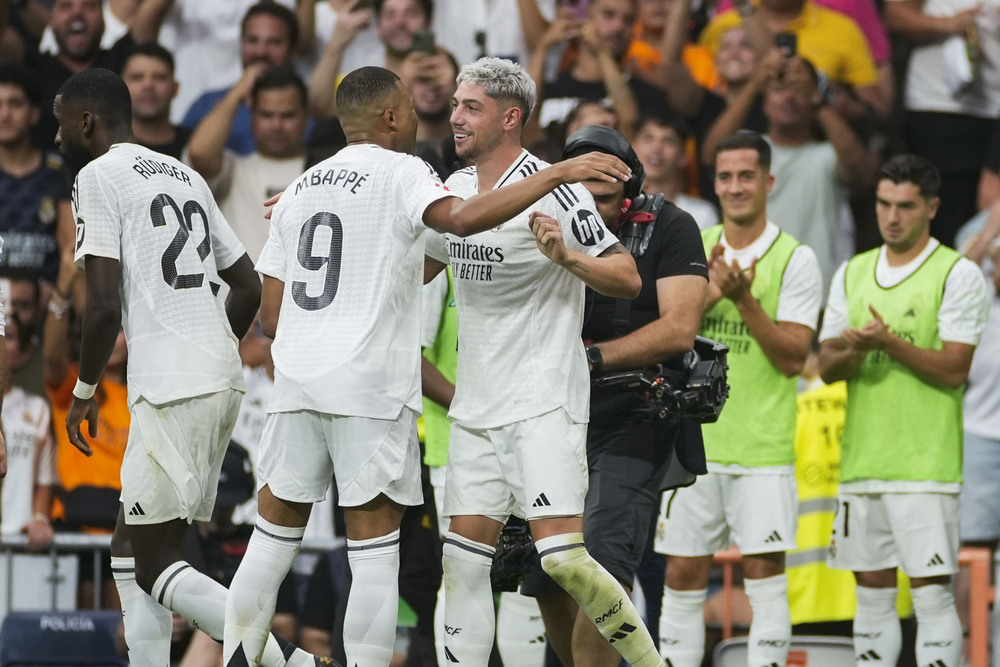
(243, 91)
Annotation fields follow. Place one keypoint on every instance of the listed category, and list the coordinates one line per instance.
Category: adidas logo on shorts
(136, 510)
(869, 656)
(935, 560)
(541, 501)
(775, 536)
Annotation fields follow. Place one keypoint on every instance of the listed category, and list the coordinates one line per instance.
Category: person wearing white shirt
(343, 267)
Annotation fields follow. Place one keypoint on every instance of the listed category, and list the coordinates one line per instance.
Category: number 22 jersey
(346, 240)
(158, 219)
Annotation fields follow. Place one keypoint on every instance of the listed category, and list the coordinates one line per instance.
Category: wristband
(39, 516)
(58, 307)
(84, 391)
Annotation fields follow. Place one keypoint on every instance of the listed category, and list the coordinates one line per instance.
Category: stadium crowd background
(243, 92)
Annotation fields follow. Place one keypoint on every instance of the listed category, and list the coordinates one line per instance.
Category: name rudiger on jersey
(345, 178)
(147, 168)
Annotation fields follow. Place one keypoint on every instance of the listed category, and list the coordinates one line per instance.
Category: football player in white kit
(343, 270)
(522, 392)
(156, 250)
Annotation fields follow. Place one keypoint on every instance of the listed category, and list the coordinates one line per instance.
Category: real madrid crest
(47, 210)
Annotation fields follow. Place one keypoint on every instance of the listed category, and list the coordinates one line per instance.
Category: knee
(561, 564)
(146, 576)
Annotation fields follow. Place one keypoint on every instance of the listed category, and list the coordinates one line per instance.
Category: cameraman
(627, 456)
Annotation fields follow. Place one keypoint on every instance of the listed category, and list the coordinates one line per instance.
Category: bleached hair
(502, 80)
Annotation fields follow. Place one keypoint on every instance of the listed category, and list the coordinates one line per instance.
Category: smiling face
(476, 120)
(904, 215)
(742, 185)
(736, 58)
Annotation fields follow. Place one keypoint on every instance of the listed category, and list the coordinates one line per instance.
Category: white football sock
(600, 596)
(202, 600)
(254, 591)
(373, 603)
(520, 631)
(771, 626)
(682, 626)
(469, 619)
(939, 631)
(148, 625)
(877, 635)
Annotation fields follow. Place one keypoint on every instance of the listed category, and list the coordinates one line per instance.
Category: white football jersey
(520, 315)
(157, 217)
(346, 241)
(30, 456)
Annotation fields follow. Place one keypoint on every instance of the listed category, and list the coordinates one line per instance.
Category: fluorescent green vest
(444, 355)
(900, 427)
(757, 426)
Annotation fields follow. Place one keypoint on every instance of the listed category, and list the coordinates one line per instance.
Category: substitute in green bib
(901, 324)
(763, 301)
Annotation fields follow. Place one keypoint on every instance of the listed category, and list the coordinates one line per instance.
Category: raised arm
(145, 25)
(323, 80)
(489, 209)
(907, 18)
(671, 75)
(208, 141)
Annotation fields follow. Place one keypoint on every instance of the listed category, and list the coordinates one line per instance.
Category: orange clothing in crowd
(84, 478)
(643, 56)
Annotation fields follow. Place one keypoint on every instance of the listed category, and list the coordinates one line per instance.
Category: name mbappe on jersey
(345, 178)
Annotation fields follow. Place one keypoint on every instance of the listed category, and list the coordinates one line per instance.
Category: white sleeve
(965, 304)
(582, 227)
(98, 221)
(271, 261)
(418, 186)
(835, 317)
(435, 293)
(436, 246)
(801, 289)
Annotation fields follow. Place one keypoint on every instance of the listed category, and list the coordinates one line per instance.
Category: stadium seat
(67, 638)
(804, 652)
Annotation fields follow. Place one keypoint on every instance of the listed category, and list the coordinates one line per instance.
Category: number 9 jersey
(158, 219)
(346, 240)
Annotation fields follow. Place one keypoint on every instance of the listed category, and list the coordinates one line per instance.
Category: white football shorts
(757, 513)
(535, 469)
(918, 532)
(174, 453)
(300, 452)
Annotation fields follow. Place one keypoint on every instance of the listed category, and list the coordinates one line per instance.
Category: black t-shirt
(675, 249)
(566, 92)
(52, 74)
(176, 146)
